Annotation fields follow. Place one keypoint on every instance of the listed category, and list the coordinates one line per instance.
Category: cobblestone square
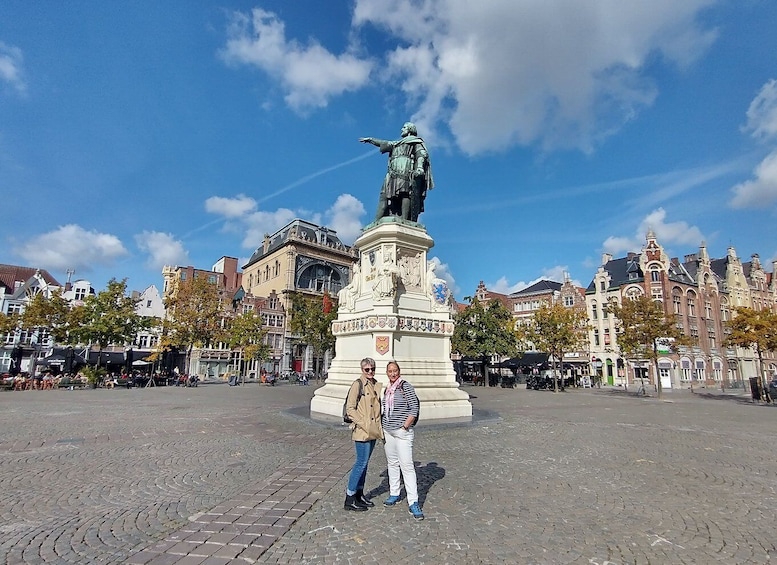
(220, 474)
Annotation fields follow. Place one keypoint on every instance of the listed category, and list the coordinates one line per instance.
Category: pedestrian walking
(362, 407)
(400, 414)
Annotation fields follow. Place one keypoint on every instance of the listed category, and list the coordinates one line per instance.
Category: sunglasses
(368, 369)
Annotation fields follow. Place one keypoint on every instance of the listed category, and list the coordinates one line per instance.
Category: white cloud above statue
(491, 74)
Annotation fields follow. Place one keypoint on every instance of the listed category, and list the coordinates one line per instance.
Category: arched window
(677, 301)
(691, 303)
(320, 278)
(724, 311)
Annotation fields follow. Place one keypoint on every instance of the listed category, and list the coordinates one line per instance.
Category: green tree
(756, 329)
(311, 319)
(556, 330)
(8, 323)
(484, 330)
(108, 318)
(247, 334)
(643, 325)
(194, 316)
(50, 313)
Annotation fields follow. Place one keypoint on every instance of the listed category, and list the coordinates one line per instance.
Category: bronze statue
(409, 175)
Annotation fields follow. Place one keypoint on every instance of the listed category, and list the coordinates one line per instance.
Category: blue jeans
(359, 471)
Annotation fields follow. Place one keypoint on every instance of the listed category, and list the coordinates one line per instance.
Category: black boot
(360, 499)
(351, 504)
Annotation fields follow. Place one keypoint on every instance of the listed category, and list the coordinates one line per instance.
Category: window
(676, 302)
(700, 374)
(212, 279)
(655, 275)
(691, 304)
(606, 336)
(569, 301)
(15, 308)
(80, 293)
(277, 268)
(708, 309)
(717, 370)
(602, 286)
(273, 303)
(596, 337)
(183, 276)
(594, 311)
(685, 370)
(148, 304)
(724, 313)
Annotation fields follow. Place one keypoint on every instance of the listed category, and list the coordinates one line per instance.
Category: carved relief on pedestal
(347, 296)
(410, 270)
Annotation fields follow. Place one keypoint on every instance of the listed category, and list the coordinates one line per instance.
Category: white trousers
(399, 456)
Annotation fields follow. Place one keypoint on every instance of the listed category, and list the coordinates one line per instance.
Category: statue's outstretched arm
(369, 140)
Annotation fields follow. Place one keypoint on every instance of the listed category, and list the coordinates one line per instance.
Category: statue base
(395, 309)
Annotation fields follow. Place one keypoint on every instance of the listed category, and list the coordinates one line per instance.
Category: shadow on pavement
(426, 476)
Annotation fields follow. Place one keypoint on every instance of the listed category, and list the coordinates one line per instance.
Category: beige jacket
(366, 414)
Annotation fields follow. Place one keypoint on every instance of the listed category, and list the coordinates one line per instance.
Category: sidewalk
(229, 475)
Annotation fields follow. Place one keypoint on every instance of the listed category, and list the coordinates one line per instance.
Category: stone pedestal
(395, 309)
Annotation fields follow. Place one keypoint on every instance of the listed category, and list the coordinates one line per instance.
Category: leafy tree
(643, 325)
(311, 319)
(555, 329)
(194, 316)
(52, 314)
(484, 330)
(756, 329)
(108, 317)
(8, 323)
(245, 333)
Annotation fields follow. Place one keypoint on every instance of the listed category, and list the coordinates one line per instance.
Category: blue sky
(138, 134)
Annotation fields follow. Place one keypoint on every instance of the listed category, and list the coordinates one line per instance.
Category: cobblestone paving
(219, 474)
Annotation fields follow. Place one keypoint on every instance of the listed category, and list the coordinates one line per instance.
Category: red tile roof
(10, 274)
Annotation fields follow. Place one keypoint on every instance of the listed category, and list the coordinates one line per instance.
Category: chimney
(266, 244)
(606, 258)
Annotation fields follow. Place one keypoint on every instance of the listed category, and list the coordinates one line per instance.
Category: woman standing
(400, 413)
(363, 408)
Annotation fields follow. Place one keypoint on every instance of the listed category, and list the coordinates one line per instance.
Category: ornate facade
(300, 257)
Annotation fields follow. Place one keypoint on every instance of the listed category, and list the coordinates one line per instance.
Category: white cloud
(503, 286)
(345, 218)
(11, 66)
(235, 207)
(762, 113)
(495, 74)
(762, 190)
(555, 273)
(72, 247)
(521, 71)
(667, 233)
(241, 215)
(162, 248)
(442, 271)
(310, 75)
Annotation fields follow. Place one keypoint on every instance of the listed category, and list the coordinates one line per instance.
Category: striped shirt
(405, 404)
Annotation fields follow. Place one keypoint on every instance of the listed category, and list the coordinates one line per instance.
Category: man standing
(409, 175)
